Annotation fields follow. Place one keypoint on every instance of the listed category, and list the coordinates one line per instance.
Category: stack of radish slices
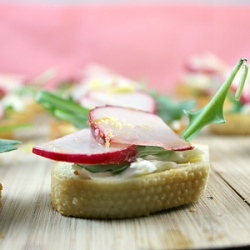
(101, 174)
(112, 138)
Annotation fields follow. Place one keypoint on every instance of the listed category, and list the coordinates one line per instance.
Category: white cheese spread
(150, 164)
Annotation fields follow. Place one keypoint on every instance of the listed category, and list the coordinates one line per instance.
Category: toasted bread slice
(237, 124)
(73, 195)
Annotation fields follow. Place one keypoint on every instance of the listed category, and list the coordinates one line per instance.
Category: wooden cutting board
(221, 218)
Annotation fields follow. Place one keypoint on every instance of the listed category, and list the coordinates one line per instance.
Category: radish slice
(206, 63)
(81, 147)
(138, 100)
(111, 124)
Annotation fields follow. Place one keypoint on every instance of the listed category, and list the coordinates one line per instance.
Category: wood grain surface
(221, 218)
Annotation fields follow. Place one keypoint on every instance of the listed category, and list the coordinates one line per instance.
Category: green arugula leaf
(213, 111)
(170, 110)
(143, 151)
(64, 108)
(8, 145)
(118, 168)
(14, 126)
(97, 168)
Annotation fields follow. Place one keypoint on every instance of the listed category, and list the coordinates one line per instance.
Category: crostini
(201, 77)
(129, 163)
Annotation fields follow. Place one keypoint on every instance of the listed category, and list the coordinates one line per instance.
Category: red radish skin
(112, 124)
(81, 147)
(138, 99)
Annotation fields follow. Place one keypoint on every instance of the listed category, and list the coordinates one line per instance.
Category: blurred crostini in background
(101, 87)
(202, 76)
(18, 106)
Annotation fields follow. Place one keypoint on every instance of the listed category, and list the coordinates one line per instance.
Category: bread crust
(126, 198)
(236, 124)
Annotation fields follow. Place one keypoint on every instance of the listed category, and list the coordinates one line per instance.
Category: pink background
(143, 41)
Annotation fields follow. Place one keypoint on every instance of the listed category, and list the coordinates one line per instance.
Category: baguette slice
(72, 195)
(237, 124)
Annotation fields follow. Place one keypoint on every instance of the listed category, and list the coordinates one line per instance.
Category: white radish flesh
(111, 124)
(81, 147)
(138, 100)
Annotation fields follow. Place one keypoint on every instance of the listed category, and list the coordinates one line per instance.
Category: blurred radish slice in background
(138, 100)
